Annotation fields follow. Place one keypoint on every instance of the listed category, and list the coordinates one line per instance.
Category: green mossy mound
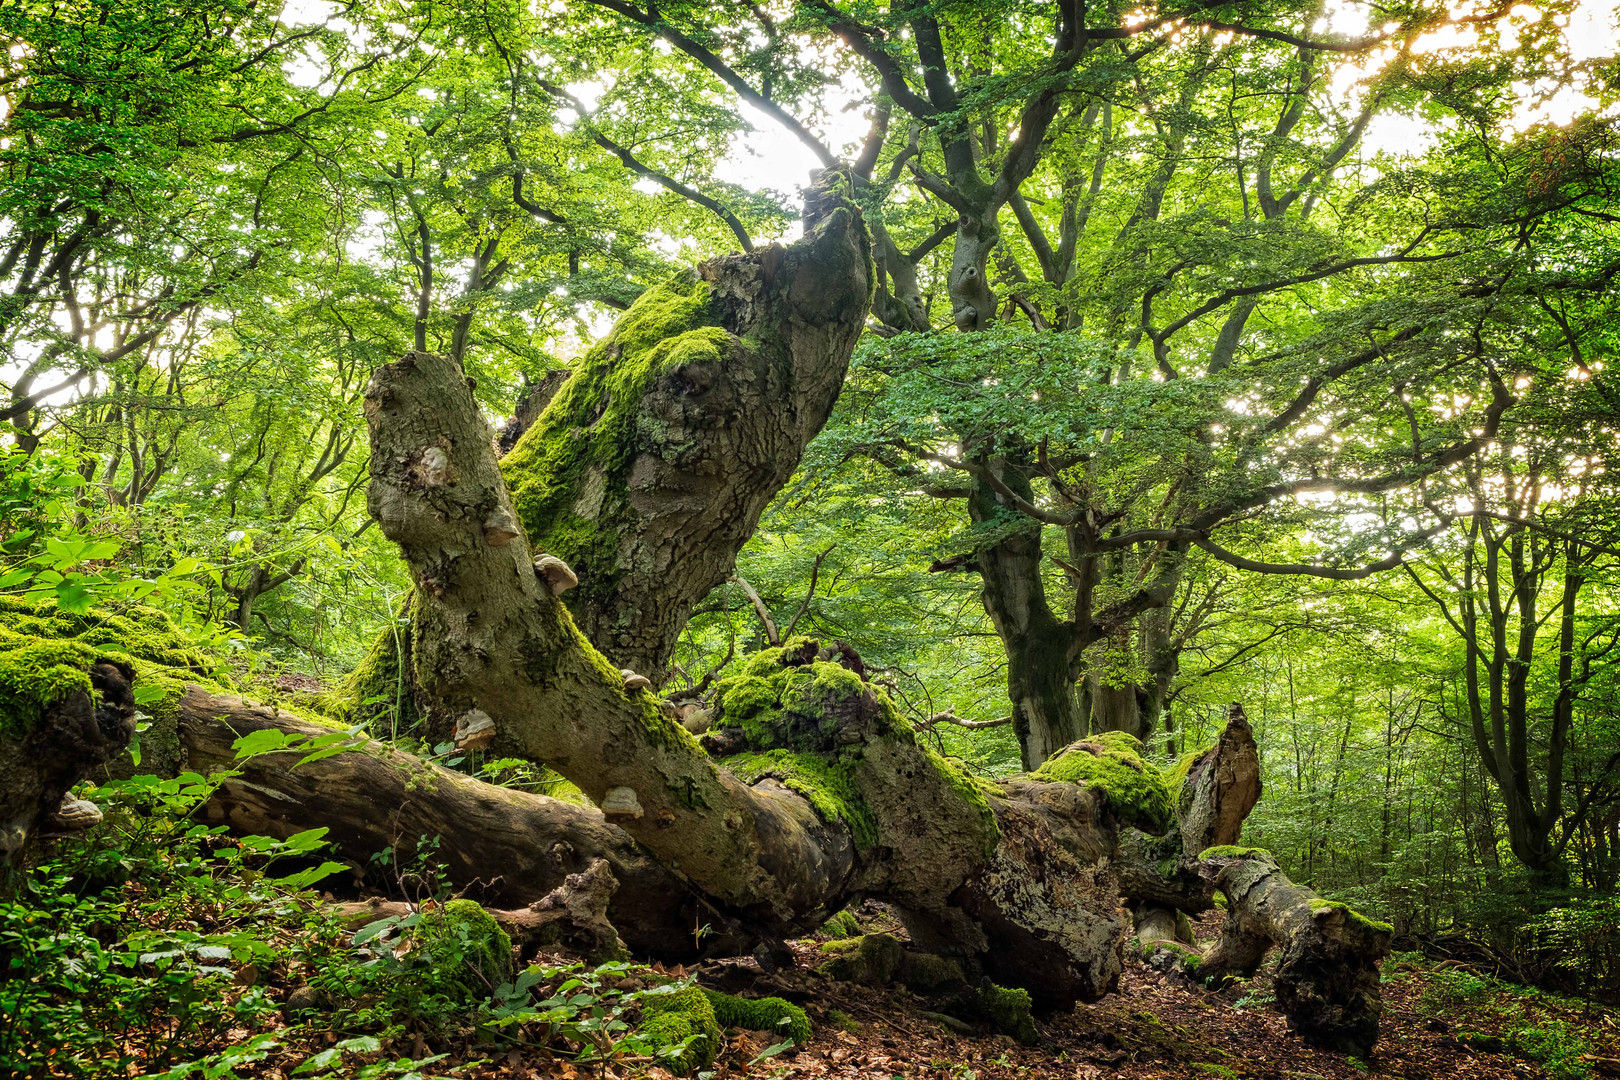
(761, 1014)
(45, 654)
(467, 953)
(1112, 763)
(568, 472)
(790, 698)
(1005, 1008)
(1232, 851)
(871, 960)
(796, 715)
(843, 924)
(1189, 957)
(671, 1019)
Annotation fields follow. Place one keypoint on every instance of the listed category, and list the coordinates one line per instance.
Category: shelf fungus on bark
(501, 527)
(621, 802)
(475, 730)
(557, 575)
(633, 682)
(76, 814)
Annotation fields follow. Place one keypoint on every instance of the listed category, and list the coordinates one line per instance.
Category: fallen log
(1327, 980)
(503, 847)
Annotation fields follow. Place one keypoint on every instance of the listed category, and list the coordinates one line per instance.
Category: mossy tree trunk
(650, 467)
(993, 873)
(64, 710)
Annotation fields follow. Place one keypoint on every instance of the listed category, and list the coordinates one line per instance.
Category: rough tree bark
(649, 469)
(57, 723)
(1043, 651)
(503, 847)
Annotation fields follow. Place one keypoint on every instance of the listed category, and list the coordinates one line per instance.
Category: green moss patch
(826, 783)
(1113, 764)
(467, 953)
(684, 1016)
(1008, 1009)
(1175, 776)
(873, 960)
(568, 472)
(1352, 917)
(926, 973)
(843, 924)
(1232, 851)
(761, 1014)
(45, 655)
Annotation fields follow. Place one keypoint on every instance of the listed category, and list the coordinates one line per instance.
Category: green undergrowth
(1492, 1016)
(155, 945)
(566, 472)
(1113, 764)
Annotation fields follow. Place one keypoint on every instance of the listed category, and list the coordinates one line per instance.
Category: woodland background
(217, 218)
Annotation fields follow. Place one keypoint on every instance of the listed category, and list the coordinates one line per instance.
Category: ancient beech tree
(807, 790)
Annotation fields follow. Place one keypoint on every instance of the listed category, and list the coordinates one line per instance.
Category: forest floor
(1439, 1022)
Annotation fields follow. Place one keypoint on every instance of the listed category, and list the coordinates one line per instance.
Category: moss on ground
(1008, 1008)
(843, 924)
(1190, 957)
(761, 1014)
(841, 1020)
(568, 472)
(467, 953)
(671, 1019)
(1112, 764)
(872, 960)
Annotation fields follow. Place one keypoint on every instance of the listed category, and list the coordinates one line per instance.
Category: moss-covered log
(66, 708)
(507, 848)
(1327, 978)
(821, 795)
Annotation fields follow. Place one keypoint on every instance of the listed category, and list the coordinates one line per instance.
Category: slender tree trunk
(1041, 654)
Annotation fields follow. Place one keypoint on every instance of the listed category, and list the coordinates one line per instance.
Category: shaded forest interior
(958, 540)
